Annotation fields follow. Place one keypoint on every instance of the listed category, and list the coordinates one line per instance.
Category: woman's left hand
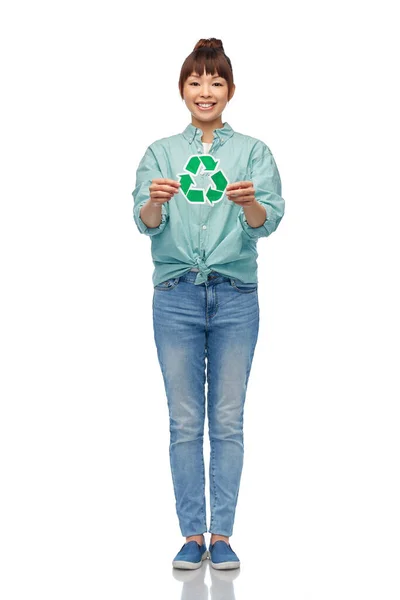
(241, 192)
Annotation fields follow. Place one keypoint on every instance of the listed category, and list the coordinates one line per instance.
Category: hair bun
(209, 43)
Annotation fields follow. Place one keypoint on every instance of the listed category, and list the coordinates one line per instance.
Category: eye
(215, 83)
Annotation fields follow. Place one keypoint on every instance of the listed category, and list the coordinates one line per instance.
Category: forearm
(255, 213)
(151, 214)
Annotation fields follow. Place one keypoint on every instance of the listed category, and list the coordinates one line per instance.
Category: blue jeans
(217, 320)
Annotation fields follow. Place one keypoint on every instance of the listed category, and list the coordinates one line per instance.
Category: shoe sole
(234, 564)
(184, 564)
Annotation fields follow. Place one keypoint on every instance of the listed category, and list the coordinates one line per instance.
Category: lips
(205, 107)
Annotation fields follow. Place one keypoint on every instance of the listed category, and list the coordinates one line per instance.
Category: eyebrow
(213, 77)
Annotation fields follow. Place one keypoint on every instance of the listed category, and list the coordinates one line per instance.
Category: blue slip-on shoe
(222, 556)
(190, 556)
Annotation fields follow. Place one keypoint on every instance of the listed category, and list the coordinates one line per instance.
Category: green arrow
(209, 163)
(186, 181)
(220, 181)
(193, 165)
(195, 196)
(213, 195)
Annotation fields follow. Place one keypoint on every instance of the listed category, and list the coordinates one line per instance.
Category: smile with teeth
(205, 106)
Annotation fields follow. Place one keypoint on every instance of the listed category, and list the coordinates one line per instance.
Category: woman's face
(207, 89)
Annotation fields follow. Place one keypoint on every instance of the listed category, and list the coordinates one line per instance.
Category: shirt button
(204, 226)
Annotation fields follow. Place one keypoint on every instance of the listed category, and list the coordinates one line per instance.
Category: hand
(162, 190)
(241, 192)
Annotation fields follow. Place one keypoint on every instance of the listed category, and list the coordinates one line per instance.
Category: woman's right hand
(162, 190)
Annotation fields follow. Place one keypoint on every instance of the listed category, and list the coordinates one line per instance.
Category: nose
(205, 92)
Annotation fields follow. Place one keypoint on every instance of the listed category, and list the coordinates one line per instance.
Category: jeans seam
(216, 301)
(204, 486)
(202, 452)
(251, 291)
(212, 474)
(214, 502)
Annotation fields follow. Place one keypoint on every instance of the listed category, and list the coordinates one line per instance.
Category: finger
(163, 188)
(164, 181)
(244, 201)
(240, 193)
(161, 194)
(239, 184)
(242, 198)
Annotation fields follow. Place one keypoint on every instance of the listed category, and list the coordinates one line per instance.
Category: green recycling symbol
(198, 164)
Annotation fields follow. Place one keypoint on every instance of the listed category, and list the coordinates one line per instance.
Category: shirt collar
(223, 133)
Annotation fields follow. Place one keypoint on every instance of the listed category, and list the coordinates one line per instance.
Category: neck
(207, 128)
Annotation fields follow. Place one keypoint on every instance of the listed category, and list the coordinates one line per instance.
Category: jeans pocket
(167, 285)
(242, 287)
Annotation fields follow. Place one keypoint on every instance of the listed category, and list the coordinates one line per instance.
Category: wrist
(255, 213)
(154, 203)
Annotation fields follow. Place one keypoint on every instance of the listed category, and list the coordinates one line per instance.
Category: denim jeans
(217, 320)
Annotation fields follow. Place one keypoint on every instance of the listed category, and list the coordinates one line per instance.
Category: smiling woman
(206, 85)
(208, 56)
(205, 302)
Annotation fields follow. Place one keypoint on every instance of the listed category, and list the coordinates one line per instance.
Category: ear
(232, 92)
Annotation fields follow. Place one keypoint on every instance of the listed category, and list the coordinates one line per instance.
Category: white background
(86, 505)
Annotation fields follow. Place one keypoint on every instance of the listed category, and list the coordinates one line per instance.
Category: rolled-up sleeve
(147, 170)
(267, 184)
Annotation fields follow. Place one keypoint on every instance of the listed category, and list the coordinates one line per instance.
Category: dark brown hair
(209, 54)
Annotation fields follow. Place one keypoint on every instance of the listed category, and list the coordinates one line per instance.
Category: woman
(205, 196)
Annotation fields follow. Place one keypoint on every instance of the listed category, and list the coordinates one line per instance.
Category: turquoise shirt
(200, 228)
